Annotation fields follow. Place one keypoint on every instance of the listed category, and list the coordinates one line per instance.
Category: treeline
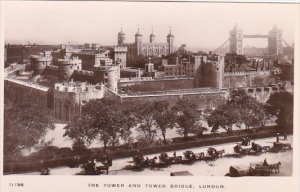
(112, 123)
(109, 121)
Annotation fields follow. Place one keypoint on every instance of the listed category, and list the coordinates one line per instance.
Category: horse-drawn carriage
(139, 163)
(255, 149)
(246, 141)
(278, 147)
(94, 168)
(255, 169)
(212, 154)
(188, 158)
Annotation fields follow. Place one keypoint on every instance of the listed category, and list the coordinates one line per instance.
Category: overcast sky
(194, 24)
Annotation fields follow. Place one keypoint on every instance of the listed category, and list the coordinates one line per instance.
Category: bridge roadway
(256, 36)
(200, 168)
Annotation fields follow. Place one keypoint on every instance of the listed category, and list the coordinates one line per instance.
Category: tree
(25, 125)
(104, 121)
(187, 116)
(147, 124)
(224, 116)
(280, 105)
(240, 108)
(252, 113)
(164, 117)
(81, 131)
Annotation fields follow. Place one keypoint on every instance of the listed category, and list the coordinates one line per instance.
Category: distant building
(91, 58)
(181, 68)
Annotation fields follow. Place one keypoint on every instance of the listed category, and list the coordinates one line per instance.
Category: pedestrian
(285, 136)
(277, 137)
(174, 154)
(265, 162)
(248, 141)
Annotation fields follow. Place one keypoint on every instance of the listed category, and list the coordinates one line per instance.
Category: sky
(194, 24)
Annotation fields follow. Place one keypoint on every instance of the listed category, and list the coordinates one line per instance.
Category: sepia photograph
(111, 89)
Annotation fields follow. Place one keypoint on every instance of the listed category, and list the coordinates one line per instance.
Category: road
(200, 168)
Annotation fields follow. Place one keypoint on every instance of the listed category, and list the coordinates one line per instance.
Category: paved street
(200, 168)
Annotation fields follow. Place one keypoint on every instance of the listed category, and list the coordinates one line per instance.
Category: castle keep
(151, 48)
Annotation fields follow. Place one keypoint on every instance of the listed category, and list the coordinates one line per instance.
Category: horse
(45, 171)
(256, 147)
(101, 168)
(200, 156)
(220, 153)
(275, 167)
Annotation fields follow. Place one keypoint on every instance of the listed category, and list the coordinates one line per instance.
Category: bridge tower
(275, 41)
(236, 40)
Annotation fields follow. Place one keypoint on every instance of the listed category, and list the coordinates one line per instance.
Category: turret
(67, 66)
(152, 37)
(121, 37)
(170, 40)
(138, 42)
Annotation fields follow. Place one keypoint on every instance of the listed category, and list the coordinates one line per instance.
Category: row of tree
(109, 121)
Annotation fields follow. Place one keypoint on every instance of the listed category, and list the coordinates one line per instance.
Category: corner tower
(138, 42)
(152, 37)
(170, 41)
(121, 37)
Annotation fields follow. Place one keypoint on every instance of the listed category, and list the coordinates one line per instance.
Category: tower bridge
(234, 44)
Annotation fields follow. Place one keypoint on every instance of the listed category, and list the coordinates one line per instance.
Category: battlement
(106, 68)
(120, 49)
(84, 72)
(77, 87)
(41, 58)
(52, 67)
(247, 73)
(69, 61)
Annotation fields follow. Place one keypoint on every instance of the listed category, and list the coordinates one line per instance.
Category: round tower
(170, 41)
(108, 75)
(67, 66)
(121, 37)
(138, 42)
(40, 62)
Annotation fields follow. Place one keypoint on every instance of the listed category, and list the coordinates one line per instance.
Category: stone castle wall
(202, 99)
(246, 79)
(155, 85)
(20, 91)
